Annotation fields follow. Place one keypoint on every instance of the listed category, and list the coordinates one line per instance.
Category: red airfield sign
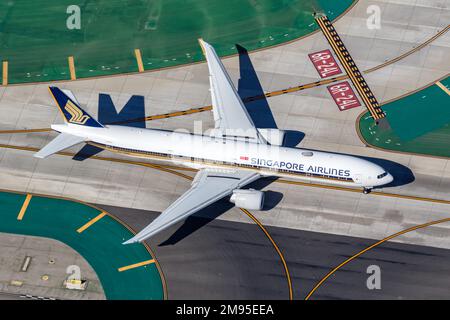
(344, 96)
(324, 63)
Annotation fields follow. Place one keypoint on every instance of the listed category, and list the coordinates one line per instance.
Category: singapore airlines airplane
(234, 155)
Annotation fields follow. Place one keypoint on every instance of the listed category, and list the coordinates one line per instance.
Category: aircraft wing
(207, 188)
(230, 115)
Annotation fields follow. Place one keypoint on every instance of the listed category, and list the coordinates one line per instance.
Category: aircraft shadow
(107, 114)
(259, 110)
(211, 212)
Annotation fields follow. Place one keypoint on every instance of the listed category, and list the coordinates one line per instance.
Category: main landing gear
(367, 190)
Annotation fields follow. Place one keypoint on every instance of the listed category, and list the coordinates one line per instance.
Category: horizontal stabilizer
(61, 142)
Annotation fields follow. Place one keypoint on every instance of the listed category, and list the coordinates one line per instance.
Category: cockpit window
(384, 174)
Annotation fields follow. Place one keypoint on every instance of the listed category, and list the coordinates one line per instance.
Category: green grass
(101, 244)
(420, 123)
(36, 42)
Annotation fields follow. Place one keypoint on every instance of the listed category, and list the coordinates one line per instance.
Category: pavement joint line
(440, 85)
(136, 265)
(424, 225)
(140, 64)
(260, 225)
(73, 74)
(173, 167)
(294, 182)
(5, 73)
(147, 247)
(269, 94)
(300, 87)
(91, 222)
(25, 204)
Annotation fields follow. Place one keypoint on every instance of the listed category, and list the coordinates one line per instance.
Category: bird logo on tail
(76, 114)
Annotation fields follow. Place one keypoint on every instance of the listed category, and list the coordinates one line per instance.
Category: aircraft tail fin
(61, 142)
(71, 110)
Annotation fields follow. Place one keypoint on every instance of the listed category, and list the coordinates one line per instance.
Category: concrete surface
(404, 25)
(14, 250)
(204, 259)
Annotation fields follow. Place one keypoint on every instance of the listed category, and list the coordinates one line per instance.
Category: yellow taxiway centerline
(91, 222)
(136, 265)
(277, 249)
(24, 207)
(440, 85)
(371, 247)
(295, 182)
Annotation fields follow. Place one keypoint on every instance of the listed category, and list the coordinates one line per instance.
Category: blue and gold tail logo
(76, 114)
(72, 113)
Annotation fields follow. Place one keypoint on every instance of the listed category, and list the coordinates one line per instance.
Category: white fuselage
(200, 151)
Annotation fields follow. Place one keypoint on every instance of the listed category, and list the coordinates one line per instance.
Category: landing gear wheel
(367, 190)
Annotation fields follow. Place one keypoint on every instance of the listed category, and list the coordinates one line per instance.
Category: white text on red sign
(344, 96)
(324, 63)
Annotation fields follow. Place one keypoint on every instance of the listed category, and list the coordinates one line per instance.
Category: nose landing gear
(367, 190)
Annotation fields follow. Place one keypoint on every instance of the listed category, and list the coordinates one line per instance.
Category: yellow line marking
(136, 265)
(5, 73)
(407, 53)
(171, 168)
(73, 75)
(371, 247)
(269, 94)
(91, 222)
(137, 53)
(348, 69)
(440, 85)
(248, 213)
(25, 130)
(286, 270)
(24, 207)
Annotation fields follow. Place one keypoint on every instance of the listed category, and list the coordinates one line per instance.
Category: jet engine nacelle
(273, 136)
(248, 199)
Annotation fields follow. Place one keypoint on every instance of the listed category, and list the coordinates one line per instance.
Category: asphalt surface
(204, 259)
(9, 296)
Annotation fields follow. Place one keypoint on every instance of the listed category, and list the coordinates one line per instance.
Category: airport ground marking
(5, 73)
(277, 249)
(73, 74)
(25, 204)
(408, 53)
(270, 94)
(350, 67)
(91, 222)
(440, 85)
(121, 222)
(140, 64)
(319, 284)
(136, 265)
(171, 169)
(25, 130)
(266, 95)
(161, 167)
